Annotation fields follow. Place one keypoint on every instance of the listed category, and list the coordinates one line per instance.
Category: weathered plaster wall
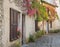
(56, 23)
(29, 22)
(30, 25)
(1, 22)
(6, 22)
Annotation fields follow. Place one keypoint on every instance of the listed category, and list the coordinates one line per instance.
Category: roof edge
(49, 3)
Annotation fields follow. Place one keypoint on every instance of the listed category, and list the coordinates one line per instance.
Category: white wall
(30, 25)
(56, 23)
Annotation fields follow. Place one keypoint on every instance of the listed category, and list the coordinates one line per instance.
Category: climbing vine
(36, 8)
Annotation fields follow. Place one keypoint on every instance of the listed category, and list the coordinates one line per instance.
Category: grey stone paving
(52, 40)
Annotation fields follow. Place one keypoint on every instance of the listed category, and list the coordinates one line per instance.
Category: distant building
(51, 7)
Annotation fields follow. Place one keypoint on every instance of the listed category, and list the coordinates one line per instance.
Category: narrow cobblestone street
(51, 40)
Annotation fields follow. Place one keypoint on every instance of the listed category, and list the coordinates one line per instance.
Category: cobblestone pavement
(51, 40)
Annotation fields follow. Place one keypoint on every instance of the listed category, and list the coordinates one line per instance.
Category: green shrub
(35, 36)
(18, 33)
(16, 44)
(31, 38)
(42, 32)
(54, 31)
(39, 34)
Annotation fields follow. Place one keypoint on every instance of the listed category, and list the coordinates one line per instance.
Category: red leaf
(31, 12)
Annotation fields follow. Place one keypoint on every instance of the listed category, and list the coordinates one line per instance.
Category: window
(13, 24)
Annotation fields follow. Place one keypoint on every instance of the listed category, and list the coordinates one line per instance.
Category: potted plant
(18, 32)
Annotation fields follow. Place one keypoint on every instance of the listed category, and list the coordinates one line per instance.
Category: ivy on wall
(36, 8)
(40, 10)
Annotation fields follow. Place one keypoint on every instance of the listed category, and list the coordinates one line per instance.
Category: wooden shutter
(13, 24)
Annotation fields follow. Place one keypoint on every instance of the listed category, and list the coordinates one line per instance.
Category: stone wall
(1, 22)
(7, 4)
(5, 21)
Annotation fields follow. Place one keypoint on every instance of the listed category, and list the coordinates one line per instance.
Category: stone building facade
(25, 23)
(1, 22)
(5, 6)
(52, 23)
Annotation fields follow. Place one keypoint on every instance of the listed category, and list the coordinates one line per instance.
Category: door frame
(23, 28)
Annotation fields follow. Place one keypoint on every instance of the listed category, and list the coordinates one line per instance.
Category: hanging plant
(18, 32)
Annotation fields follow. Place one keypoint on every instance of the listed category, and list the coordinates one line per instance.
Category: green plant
(41, 10)
(43, 32)
(39, 34)
(18, 34)
(54, 31)
(31, 38)
(16, 44)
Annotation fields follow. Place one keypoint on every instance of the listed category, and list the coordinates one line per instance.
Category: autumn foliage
(36, 8)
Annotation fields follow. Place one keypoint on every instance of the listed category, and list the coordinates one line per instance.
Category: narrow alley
(51, 40)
